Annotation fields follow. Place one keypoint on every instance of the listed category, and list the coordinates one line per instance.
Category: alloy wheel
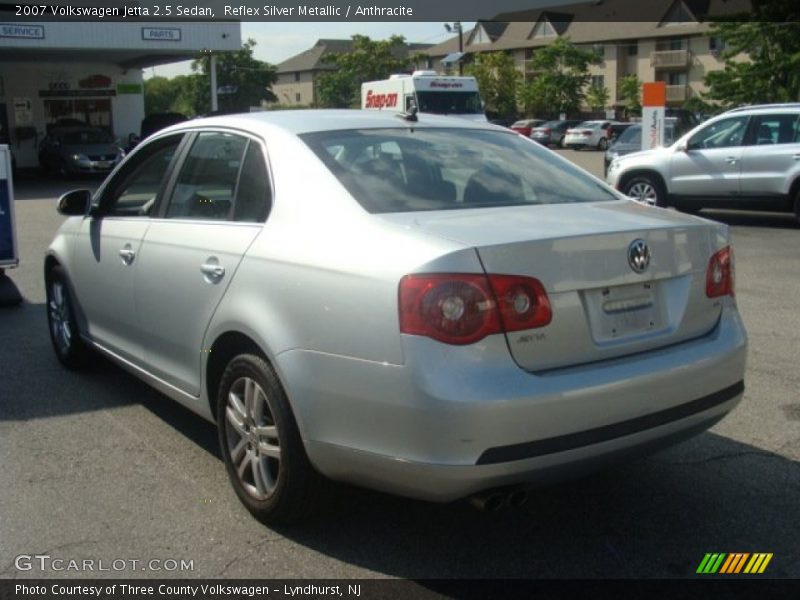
(643, 192)
(58, 310)
(252, 438)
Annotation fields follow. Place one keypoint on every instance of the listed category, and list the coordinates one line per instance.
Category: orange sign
(654, 93)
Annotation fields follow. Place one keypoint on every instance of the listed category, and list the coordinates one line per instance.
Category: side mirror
(75, 203)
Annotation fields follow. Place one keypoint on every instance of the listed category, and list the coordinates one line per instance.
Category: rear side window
(404, 169)
(774, 129)
(207, 180)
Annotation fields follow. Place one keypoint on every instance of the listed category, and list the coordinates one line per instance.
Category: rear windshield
(632, 135)
(406, 170)
(590, 125)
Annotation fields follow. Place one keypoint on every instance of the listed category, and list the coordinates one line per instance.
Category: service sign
(8, 240)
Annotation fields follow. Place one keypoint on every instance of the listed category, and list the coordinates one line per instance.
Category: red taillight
(461, 308)
(586, 133)
(720, 274)
(546, 130)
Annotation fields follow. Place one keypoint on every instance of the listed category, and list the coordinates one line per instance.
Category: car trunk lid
(602, 307)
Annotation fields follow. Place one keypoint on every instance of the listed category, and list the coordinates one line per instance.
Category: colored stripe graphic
(733, 563)
(758, 563)
(711, 562)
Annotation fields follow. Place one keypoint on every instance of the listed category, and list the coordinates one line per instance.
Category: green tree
(561, 73)
(761, 55)
(497, 77)
(246, 80)
(368, 60)
(176, 94)
(597, 97)
(630, 90)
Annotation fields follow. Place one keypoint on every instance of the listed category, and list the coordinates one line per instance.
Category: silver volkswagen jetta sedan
(425, 306)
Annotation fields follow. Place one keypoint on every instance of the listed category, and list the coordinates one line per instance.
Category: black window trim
(191, 136)
(101, 198)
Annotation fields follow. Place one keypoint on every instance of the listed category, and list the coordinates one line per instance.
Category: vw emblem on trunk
(639, 256)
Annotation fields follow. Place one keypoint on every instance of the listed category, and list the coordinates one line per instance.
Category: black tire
(275, 489)
(561, 143)
(602, 144)
(70, 349)
(797, 206)
(647, 189)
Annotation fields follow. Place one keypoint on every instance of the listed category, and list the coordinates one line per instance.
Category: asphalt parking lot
(96, 465)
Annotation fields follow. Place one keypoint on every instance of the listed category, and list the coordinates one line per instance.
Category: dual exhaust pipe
(494, 500)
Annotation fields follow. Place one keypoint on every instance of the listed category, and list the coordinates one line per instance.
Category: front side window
(207, 181)
(720, 134)
(134, 190)
(404, 169)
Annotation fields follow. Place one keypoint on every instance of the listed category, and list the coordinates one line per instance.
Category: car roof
(314, 120)
(761, 108)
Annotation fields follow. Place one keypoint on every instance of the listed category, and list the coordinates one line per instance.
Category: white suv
(746, 158)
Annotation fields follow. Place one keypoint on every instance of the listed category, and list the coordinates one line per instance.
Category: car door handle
(731, 160)
(127, 255)
(212, 271)
(796, 156)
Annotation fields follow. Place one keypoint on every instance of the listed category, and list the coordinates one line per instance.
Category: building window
(715, 44)
(543, 29)
(598, 81)
(677, 44)
(297, 97)
(297, 75)
(599, 49)
(633, 48)
(677, 79)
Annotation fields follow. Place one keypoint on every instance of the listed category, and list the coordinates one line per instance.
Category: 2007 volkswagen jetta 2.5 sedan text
(423, 305)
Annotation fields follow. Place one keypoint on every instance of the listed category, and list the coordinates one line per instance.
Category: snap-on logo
(380, 100)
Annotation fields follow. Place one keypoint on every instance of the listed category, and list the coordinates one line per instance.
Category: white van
(431, 93)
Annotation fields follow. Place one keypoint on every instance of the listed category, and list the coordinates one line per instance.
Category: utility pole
(457, 27)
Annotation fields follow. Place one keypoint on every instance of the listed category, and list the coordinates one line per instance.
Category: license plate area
(624, 312)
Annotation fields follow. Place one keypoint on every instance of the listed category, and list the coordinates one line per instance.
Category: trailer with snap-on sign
(429, 92)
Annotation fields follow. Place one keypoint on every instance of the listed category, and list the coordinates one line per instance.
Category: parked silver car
(427, 306)
(746, 158)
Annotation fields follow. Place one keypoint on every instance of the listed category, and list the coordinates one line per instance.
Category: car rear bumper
(455, 421)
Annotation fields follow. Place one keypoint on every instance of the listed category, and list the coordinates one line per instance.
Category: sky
(278, 41)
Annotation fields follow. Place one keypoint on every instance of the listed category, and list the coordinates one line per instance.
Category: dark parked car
(74, 150)
(552, 132)
(616, 130)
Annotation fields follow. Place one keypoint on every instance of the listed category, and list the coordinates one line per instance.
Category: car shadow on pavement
(47, 389)
(776, 220)
(656, 517)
